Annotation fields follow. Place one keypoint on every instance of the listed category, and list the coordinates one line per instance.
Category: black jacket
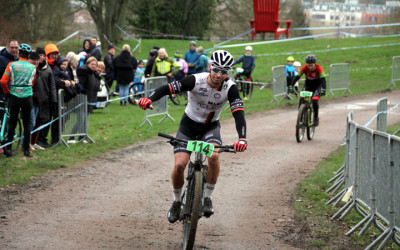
(5, 59)
(108, 63)
(44, 91)
(89, 80)
(149, 66)
(124, 67)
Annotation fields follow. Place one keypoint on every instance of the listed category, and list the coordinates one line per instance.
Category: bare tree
(293, 10)
(232, 18)
(33, 20)
(183, 17)
(106, 14)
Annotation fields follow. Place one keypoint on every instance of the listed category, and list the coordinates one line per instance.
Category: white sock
(208, 189)
(177, 194)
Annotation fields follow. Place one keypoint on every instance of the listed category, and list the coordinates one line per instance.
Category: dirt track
(120, 201)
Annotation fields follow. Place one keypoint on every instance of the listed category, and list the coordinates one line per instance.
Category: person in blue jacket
(290, 74)
(248, 62)
(191, 57)
(201, 64)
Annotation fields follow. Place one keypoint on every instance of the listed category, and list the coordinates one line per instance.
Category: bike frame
(310, 109)
(243, 84)
(5, 117)
(3, 131)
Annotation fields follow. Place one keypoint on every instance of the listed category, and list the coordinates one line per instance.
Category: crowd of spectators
(80, 72)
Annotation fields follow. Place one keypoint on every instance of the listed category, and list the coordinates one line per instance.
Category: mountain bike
(305, 117)
(192, 198)
(134, 91)
(4, 123)
(245, 89)
(178, 99)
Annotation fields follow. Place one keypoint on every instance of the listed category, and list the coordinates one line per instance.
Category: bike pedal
(207, 215)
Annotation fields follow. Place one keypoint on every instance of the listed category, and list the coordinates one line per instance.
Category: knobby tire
(246, 89)
(249, 90)
(133, 92)
(175, 99)
(191, 220)
(310, 125)
(17, 134)
(301, 122)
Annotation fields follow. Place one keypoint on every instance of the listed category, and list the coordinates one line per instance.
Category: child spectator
(139, 73)
(183, 66)
(139, 78)
(297, 66)
(63, 80)
(248, 62)
(290, 74)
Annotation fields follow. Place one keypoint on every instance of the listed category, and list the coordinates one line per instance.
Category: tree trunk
(106, 14)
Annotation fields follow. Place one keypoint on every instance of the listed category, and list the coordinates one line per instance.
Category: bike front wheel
(301, 122)
(193, 200)
(310, 126)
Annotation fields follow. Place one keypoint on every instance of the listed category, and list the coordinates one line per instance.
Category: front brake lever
(226, 150)
(176, 143)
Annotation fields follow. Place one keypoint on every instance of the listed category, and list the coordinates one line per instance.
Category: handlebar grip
(165, 135)
(137, 103)
(227, 146)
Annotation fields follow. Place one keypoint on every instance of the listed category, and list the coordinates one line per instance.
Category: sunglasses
(220, 71)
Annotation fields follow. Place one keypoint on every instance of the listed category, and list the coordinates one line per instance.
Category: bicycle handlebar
(148, 106)
(174, 140)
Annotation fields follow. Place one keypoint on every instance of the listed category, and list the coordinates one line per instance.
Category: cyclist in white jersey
(207, 95)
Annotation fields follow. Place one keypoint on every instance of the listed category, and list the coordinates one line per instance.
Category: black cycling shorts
(191, 130)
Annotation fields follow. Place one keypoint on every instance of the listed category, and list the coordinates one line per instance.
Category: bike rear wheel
(250, 90)
(175, 99)
(134, 90)
(310, 126)
(301, 122)
(193, 201)
(17, 134)
(246, 89)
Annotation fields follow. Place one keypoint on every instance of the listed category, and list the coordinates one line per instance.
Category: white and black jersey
(206, 103)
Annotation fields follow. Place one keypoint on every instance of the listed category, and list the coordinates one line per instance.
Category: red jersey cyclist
(207, 94)
(315, 82)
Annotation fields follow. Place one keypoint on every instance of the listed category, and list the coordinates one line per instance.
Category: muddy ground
(120, 200)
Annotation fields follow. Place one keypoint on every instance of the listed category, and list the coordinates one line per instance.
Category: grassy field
(115, 127)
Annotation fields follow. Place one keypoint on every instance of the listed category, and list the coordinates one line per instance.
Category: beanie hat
(34, 55)
(51, 48)
(40, 51)
(111, 47)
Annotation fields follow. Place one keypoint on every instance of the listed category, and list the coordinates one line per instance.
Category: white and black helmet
(222, 59)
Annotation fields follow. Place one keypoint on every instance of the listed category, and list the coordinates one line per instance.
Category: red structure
(266, 14)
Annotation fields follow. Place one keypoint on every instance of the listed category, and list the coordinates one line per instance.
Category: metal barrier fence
(73, 117)
(279, 87)
(160, 107)
(381, 120)
(339, 77)
(395, 71)
(371, 172)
